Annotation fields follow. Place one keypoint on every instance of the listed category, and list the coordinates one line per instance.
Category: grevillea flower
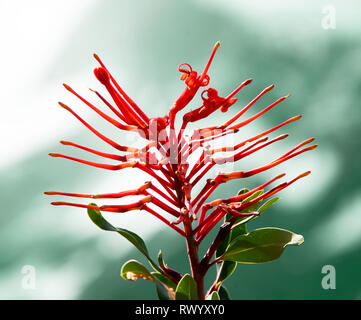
(168, 158)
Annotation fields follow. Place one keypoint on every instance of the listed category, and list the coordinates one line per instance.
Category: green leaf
(261, 245)
(224, 244)
(163, 292)
(164, 279)
(240, 228)
(137, 241)
(160, 258)
(186, 289)
(133, 270)
(213, 296)
(253, 196)
(254, 206)
(267, 204)
(242, 191)
(226, 269)
(223, 293)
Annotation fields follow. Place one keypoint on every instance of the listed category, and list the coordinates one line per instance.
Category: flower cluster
(165, 154)
(178, 162)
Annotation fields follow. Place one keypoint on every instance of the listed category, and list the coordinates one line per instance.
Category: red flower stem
(163, 152)
(239, 114)
(201, 193)
(98, 134)
(242, 154)
(222, 178)
(240, 87)
(166, 175)
(184, 153)
(196, 166)
(205, 221)
(257, 115)
(243, 195)
(215, 203)
(224, 149)
(163, 206)
(276, 162)
(216, 46)
(205, 230)
(215, 135)
(193, 145)
(95, 164)
(245, 149)
(163, 182)
(205, 196)
(151, 211)
(170, 192)
(162, 194)
(129, 114)
(102, 114)
(296, 148)
(102, 154)
(202, 226)
(121, 91)
(115, 111)
(202, 215)
(110, 208)
(181, 131)
(121, 194)
(201, 175)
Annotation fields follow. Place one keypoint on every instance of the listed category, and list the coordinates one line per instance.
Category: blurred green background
(45, 43)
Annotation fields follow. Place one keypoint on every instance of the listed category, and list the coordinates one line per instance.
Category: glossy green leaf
(164, 279)
(163, 292)
(261, 245)
(242, 191)
(267, 204)
(254, 206)
(253, 196)
(137, 241)
(213, 296)
(223, 293)
(186, 289)
(224, 244)
(226, 270)
(133, 270)
(240, 228)
(160, 258)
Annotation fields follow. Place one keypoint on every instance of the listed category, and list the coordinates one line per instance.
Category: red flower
(165, 156)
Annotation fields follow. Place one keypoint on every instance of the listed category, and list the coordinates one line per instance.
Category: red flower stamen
(104, 138)
(102, 114)
(134, 192)
(110, 208)
(239, 114)
(130, 116)
(257, 115)
(121, 91)
(115, 111)
(103, 154)
(224, 149)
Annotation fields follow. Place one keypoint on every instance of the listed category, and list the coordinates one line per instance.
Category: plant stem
(197, 269)
(198, 272)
